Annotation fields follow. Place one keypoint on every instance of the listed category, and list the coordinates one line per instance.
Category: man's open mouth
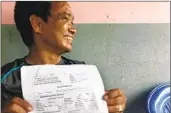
(69, 38)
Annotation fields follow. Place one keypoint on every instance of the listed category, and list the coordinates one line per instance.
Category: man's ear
(36, 23)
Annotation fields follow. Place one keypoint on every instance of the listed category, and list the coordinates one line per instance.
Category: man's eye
(65, 18)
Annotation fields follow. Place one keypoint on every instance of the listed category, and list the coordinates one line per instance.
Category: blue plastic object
(159, 99)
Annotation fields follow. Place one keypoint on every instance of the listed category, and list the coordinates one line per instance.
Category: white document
(63, 89)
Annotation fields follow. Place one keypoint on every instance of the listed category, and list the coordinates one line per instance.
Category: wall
(133, 57)
(108, 12)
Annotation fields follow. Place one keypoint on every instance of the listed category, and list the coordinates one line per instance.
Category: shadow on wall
(138, 103)
(12, 45)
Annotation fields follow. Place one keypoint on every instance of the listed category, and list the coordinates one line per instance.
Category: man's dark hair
(22, 12)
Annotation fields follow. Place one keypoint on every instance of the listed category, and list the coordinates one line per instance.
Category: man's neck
(38, 56)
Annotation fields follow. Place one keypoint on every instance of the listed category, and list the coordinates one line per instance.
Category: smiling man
(47, 30)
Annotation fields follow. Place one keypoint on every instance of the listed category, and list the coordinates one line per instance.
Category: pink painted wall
(108, 12)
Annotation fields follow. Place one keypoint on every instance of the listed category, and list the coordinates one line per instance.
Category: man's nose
(73, 30)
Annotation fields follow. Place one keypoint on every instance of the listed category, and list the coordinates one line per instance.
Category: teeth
(69, 38)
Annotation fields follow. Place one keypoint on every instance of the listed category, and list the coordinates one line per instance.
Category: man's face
(58, 33)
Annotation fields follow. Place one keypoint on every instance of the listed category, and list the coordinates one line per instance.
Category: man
(47, 30)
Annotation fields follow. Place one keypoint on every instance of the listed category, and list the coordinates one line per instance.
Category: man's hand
(116, 100)
(17, 105)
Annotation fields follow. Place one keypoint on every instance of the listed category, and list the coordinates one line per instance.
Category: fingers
(18, 105)
(15, 108)
(113, 93)
(115, 101)
(116, 109)
(24, 104)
